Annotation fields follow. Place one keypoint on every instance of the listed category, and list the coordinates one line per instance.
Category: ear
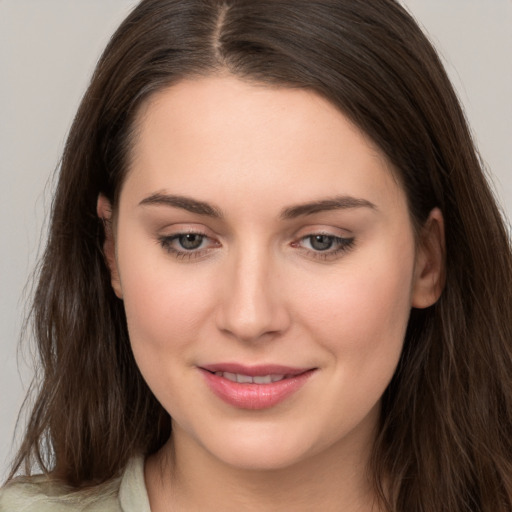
(104, 211)
(429, 270)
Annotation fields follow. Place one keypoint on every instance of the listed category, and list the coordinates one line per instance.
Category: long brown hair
(445, 439)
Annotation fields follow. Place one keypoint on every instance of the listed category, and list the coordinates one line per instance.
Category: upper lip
(256, 370)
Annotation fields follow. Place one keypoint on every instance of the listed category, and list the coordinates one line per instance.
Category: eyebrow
(335, 203)
(183, 202)
(291, 212)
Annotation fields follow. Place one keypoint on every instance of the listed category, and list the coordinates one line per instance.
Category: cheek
(359, 318)
(360, 313)
(163, 308)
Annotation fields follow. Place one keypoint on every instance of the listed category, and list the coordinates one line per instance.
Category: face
(267, 264)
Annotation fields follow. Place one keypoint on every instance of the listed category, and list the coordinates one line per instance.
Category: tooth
(276, 378)
(264, 379)
(219, 374)
(243, 378)
(229, 376)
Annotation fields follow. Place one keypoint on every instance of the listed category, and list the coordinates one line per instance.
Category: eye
(190, 241)
(187, 245)
(324, 246)
(321, 242)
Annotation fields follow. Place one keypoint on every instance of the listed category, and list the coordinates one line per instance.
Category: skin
(257, 291)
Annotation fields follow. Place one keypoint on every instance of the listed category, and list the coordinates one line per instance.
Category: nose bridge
(251, 306)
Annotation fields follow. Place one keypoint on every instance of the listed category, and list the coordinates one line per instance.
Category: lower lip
(255, 396)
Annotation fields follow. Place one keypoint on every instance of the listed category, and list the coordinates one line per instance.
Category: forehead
(228, 134)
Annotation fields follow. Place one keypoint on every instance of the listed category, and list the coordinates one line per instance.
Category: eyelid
(166, 240)
(322, 229)
(343, 244)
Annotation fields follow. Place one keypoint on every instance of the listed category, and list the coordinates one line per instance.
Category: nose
(251, 305)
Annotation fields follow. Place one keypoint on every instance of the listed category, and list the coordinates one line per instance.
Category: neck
(184, 476)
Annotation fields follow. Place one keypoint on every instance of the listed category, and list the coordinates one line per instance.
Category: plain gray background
(48, 49)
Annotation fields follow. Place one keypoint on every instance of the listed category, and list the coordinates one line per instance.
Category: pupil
(191, 241)
(321, 242)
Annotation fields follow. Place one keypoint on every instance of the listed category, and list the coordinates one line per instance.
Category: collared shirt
(39, 494)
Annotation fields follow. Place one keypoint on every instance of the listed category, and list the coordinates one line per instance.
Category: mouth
(248, 379)
(256, 387)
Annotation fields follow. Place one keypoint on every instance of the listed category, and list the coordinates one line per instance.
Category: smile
(254, 388)
(248, 379)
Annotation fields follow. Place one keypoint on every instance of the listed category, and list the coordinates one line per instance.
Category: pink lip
(250, 395)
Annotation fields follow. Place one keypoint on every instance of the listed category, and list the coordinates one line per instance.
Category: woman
(276, 278)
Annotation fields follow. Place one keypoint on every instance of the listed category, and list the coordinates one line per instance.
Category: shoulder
(41, 494)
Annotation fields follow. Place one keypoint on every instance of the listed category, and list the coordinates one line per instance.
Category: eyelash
(342, 245)
(167, 244)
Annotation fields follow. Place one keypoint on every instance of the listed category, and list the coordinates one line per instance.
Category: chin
(261, 450)
(261, 459)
